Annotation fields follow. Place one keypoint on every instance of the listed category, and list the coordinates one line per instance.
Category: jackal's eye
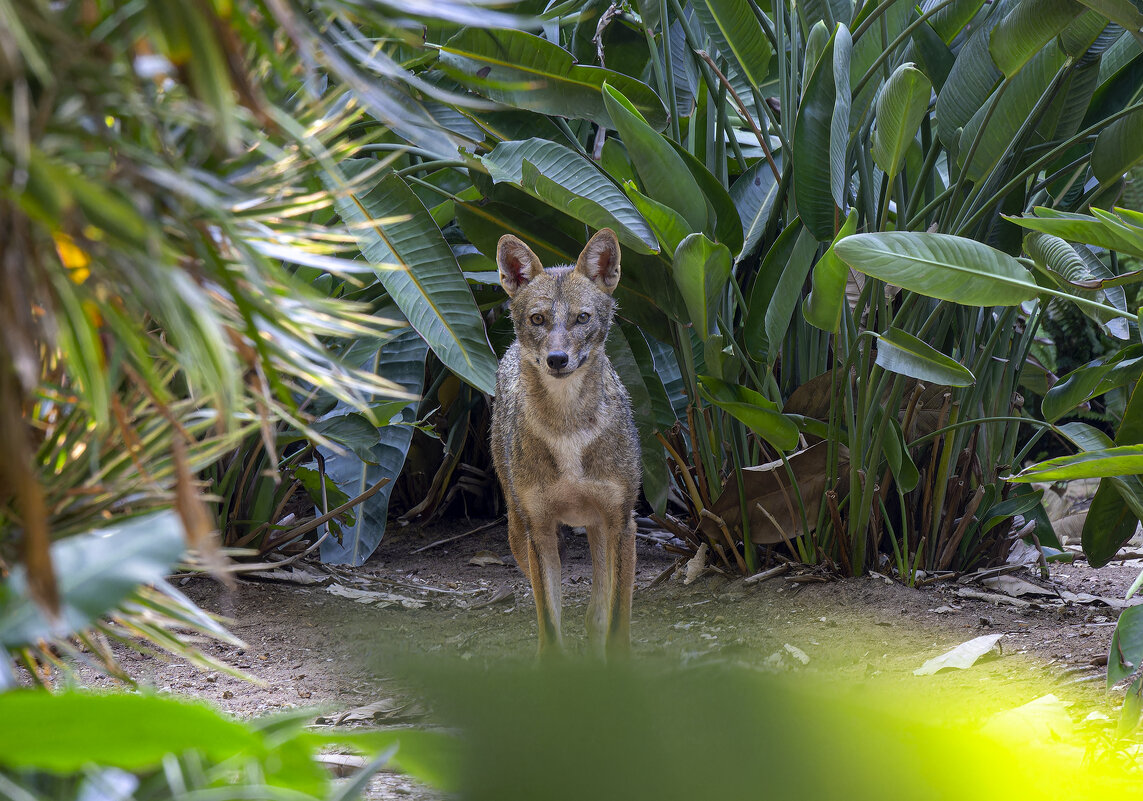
(583, 318)
(537, 319)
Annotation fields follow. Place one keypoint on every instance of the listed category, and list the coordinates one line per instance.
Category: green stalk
(669, 69)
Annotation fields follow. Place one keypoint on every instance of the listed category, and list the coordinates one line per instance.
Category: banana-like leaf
(669, 226)
(827, 294)
(727, 225)
(1117, 506)
(95, 572)
(790, 255)
(738, 35)
(1121, 12)
(640, 383)
(900, 460)
(901, 106)
(402, 361)
(664, 175)
(821, 134)
(754, 193)
(1126, 651)
(752, 409)
(1072, 272)
(394, 230)
(997, 128)
(701, 269)
(1113, 233)
(900, 352)
(816, 42)
(1092, 380)
(949, 21)
(1118, 461)
(940, 266)
(1118, 148)
(567, 180)
(529, 72)
(1026, 29)
(970, 82)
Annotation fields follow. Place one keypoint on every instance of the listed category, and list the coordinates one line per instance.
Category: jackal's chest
(576, 492)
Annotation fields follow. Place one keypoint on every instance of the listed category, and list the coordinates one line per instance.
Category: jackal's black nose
(557, 360)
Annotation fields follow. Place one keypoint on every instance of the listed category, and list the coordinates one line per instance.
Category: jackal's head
(561, 314)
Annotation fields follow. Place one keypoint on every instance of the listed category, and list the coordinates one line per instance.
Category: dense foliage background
(247, 257)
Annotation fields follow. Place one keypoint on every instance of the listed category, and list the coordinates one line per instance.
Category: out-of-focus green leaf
(900, 352)
(95, 572)
(66, 732)
(529, 72)
(940, 266)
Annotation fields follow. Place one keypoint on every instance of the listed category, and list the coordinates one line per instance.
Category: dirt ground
(310, 646)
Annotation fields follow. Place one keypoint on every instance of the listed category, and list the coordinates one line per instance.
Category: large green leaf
(701, 269)
(1121, 12)
(529, 72)
(751, 408)
(1026, 29)
(417, 267)
(95, 572)
(569, 181)
(738, 35)
(1074, 271)
(402, 361)
(1126, 651)
(640, 383)
(996, 128)
(1092, 380)
(899, 351)
(727, 225)
(821, 134)
(824, 304)
(664, 175)
(669, 226)
(754, 194)
(940, 266)
(66, 733)
(970, 82)
(1110, 233)
(901, 106)
(1118, 148)
(1118, 461)
(791, 254)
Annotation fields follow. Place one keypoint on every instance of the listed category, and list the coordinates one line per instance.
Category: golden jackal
(563, 437)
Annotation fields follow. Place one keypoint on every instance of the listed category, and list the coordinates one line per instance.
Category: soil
(308, 647)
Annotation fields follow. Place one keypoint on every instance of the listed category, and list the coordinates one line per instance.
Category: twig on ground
(447, 540)
(766, 574)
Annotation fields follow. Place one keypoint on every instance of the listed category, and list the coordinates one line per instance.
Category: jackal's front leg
(612, 584)
(540, 542)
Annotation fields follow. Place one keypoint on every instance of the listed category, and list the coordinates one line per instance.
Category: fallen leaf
(1044, 719)
(797, 653)
(695, 565)
(1014, 586)
(961, 657)
(381, 599)
(486, 558)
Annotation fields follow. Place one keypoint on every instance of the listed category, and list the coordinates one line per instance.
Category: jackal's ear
(600, 260)
(517, 264)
